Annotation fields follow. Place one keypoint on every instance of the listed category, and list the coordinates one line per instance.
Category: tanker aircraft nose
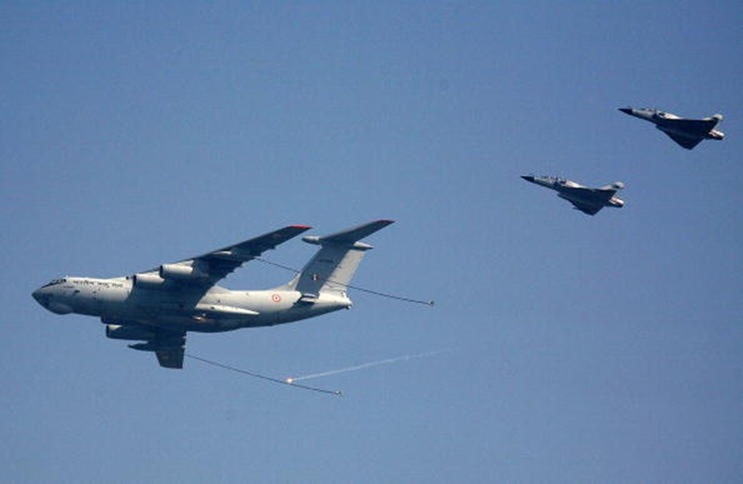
(50, 300)
(40, 297)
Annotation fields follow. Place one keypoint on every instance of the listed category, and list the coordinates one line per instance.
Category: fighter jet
(158, 307)
(686, 132)
(587, 200)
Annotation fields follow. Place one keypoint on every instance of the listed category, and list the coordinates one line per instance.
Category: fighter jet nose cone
(529, 178)
(626, 110)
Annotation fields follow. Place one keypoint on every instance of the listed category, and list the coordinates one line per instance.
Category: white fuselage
(120, 301)
(557, 184)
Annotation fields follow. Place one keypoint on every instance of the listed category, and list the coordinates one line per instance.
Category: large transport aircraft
(159, 306)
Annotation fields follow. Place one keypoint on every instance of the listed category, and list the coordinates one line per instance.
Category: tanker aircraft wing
(206, 270)
(169, 345)
(171, 357)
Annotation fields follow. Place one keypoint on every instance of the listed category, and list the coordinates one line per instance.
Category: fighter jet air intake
(587, 200)
(158, 307)
(686, 132)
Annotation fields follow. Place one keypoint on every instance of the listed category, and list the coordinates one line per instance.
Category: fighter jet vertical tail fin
(334, 265)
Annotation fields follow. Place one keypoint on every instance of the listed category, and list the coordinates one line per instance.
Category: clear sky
(562, 347)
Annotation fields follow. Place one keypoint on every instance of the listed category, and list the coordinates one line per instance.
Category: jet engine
(181, 272)
(176, 272)
(147, 280)
(138, 333)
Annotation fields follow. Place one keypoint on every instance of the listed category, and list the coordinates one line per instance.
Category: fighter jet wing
(692, 126)
(688, 132)
(587, 200)
(598, 195)
(207, 269)
(685, 141)
(587, 208)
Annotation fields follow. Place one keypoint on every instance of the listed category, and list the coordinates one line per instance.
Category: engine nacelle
(181, 272)
(115, 331)
(147, 280)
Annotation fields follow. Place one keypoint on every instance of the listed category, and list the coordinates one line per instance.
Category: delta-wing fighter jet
(587, 200)
(159, 306)
(686, 132)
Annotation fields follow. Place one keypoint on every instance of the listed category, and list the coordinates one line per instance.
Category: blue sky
(562, 347)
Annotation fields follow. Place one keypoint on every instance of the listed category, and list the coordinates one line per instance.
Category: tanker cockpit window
(55, 282)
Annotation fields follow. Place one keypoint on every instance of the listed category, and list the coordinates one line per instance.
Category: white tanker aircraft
(157, 307)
